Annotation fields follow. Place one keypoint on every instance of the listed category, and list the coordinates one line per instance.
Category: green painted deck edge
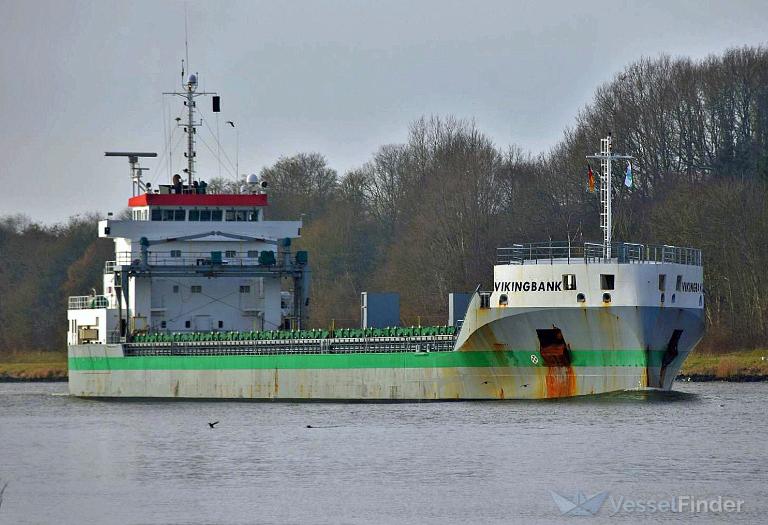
(474, 359)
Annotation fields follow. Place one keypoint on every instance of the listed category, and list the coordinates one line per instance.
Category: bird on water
(1, 493)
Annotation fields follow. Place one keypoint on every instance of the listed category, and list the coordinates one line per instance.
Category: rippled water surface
(71, 460)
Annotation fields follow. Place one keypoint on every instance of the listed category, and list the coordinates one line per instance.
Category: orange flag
(591, 178)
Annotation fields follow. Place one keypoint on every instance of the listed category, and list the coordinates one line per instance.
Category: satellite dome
(193, 79)
(252, 179)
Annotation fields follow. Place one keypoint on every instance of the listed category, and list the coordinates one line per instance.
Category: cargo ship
(205, 298)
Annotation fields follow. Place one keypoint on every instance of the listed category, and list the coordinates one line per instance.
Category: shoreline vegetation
(741, 366)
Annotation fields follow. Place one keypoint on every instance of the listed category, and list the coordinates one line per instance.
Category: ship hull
(609, 349)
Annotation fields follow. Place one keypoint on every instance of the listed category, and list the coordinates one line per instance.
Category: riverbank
(747, 365)
(742, 366)
(33, 366)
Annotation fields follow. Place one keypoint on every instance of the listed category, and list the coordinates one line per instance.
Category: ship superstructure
(205, 299)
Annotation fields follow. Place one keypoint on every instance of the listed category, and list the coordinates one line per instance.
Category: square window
(253, 215)
(196, 288)
(168, 215)
(175, 288)
(221, 324)
(175, 253)
(662, 282)
(245, 289)
(606, 281)
(253, 254)
(569, 281)
(179, 215)
(162, 324)
(205, 215)
(194, 215)
(187, 324)
(230, 253)
(157, 215)
(230, 215)
(216, 215)
(241, 215)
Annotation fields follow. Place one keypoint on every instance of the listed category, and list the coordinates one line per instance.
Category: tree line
(424, 217)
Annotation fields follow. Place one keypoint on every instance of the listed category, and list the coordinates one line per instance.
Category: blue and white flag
(628, 175)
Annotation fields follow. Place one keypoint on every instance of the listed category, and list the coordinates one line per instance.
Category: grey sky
(340, 78)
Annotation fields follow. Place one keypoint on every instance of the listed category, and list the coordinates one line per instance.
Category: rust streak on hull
(561, 381)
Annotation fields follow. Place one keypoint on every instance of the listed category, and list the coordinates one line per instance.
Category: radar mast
(190, 93)
(606, 156)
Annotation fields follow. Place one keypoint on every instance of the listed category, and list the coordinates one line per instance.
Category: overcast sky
(341, 78)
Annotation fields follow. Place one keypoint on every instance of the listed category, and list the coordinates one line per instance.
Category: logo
(580, 505)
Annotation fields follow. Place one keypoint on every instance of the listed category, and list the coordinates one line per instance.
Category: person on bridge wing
(177, 184)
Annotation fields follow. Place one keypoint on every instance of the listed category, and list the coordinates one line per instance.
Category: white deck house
(192, 262)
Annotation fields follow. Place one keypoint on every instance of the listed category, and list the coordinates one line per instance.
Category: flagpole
(606, 156)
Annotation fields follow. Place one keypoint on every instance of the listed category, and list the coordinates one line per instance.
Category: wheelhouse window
(236, 215)
(194, 215)
(205, 215)
(216, 215)
(179, 215)
(157, 215)
(169, 215)
(253, 215)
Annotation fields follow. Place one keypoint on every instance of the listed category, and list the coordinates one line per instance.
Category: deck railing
(621, 252)
(85, 302)
(181, 258)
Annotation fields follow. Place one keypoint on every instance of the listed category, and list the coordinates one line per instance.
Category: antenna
(186, 40)
(606, 156)
(189, 92)
(133, 161)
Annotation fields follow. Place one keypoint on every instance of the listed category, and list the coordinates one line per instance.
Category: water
(81, 461)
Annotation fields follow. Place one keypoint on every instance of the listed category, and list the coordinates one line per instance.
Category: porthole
(503, 300)
(662, 297)
(673, 298)
(580, 297)
(606, 298)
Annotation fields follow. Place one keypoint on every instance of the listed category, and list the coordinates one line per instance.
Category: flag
(628, 175)
(591, 179)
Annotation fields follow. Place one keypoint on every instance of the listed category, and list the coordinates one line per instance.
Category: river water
(77, 461)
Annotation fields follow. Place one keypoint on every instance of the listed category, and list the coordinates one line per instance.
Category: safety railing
(621, 252)
(179, 258)
(85, 302)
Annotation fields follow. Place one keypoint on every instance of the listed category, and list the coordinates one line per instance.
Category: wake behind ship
(193, 307)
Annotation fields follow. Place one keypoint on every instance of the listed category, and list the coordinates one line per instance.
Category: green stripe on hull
(474, 359)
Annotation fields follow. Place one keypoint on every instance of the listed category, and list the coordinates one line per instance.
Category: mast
(606, 156)
(189, 94)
